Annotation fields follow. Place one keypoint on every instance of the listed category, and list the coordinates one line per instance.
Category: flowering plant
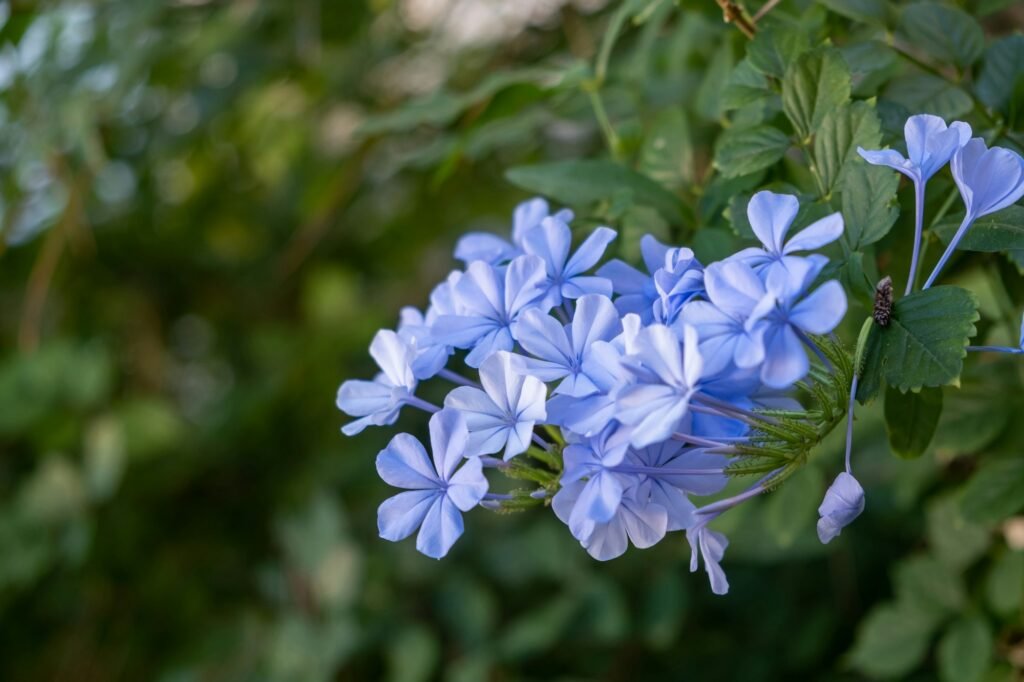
(624, 397)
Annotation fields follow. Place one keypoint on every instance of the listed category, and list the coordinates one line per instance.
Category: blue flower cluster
(633, 388)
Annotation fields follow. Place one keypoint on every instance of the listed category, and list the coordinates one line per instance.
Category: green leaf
(925, 342)
(944, 32)
(999, 231)
(773, 49)
(816, 84)
(745, 86)
(742, 151)
(891, 641)
(791, 510)
(708, 102)
(1004, 584)
(869, 202)
(976, 413)
(965, 650)
(835, 144)
(956, 541)
(911, 418)
(1002, 69)
(867, 11)
(929, 586)
(581, 183)
(667, 153)
(925, 92)
(442, 108)
(996, 491)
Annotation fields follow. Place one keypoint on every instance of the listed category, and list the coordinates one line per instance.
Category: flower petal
(398, 517)
(770, 216)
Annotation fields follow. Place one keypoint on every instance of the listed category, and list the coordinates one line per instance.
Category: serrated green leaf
(835, 144)
(926, 340)
(996, 232)
(965, 650)
(742, 151)
(580, 183)
(891, 641)
(867, 11)
(773, 49)
(872, 367)
(816, 84)
(995, 491)
(1002, 68)
(745, 86)
(911, 418)
(925, 92)
(868, 202)
(667, 153)
(944, 32)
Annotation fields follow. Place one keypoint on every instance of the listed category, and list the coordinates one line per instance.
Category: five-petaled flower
(437, 490)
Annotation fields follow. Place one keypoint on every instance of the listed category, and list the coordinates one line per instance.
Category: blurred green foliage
(208, 209)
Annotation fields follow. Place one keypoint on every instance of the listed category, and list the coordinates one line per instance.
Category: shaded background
(210, 207)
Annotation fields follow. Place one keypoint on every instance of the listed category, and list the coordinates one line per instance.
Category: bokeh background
(209, 207)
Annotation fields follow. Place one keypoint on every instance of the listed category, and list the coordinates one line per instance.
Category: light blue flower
(667, 373)
(436, 491)
(589, 414)
(675, 471)
(504, 413)
(378, 402)
(599, 498)
(710, 546)
(635, 291)
(771, 216)
(989, 180)
(560, 351)
(930, 146)
(494, 250)
(678, 282)
(844, 501)
(414, 328)
(731, 323)
(489, 301)
(551, 241)
(796, 314)
(635, 520)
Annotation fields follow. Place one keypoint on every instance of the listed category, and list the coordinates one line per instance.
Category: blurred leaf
(667, 153)
(816, 84)
(792, 509)
(1001, 72)
(868, 203)
(976, 413)
(929, 586)
(1004, 584)
(965, 650)
(911, 418)
(944, 32)
(956, 541)
(996, 491)
(538, 629)
(891, 641)
(413, 655)
(743, 151)
(708, 103)
(663, 609)
(581, 183)
(442, 108)
(867, 11)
